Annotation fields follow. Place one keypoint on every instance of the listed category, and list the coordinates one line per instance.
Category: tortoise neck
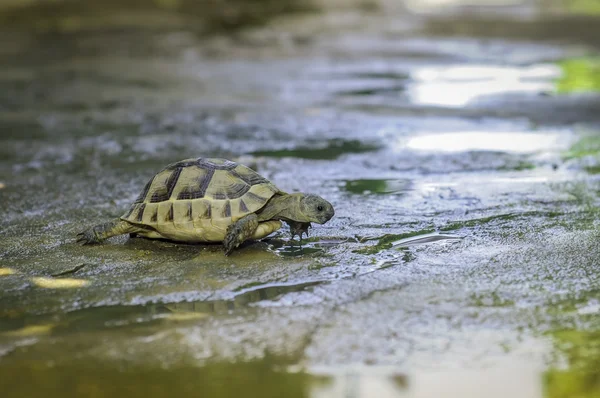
(282, 207)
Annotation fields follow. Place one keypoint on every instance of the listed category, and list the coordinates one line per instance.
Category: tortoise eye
(320, 208)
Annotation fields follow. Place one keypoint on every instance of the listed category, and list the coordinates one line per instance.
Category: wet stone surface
(463, 170)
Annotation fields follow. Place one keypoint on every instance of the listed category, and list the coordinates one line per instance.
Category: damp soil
(462, 159)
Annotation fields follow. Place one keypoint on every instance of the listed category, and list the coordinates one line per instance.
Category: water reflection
(271, 377)
(513, 379)
(85, 378)
(380, 382)
(515, 142)
(435, 6)
(133, 316)
(425, 238)
(457, 86)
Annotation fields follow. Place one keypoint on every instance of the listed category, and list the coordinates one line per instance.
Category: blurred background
(458, 141)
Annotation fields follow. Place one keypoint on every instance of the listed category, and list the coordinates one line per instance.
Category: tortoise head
(316, 209)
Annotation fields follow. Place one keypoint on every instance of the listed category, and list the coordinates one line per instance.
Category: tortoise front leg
(299, 228)
(239, 232)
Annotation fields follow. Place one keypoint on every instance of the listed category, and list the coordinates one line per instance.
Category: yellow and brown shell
(195, 200)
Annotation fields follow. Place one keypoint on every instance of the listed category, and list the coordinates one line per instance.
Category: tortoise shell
(196, 200)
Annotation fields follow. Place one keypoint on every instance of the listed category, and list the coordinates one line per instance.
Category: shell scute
(196, 199)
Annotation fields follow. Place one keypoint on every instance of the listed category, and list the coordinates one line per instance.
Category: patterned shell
(197, 199)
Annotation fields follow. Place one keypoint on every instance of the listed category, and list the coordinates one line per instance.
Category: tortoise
(212, 200)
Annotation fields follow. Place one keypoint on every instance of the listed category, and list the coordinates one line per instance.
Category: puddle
(332, 150)
(403, 240)
(89, 378)
(299, 250)
(459, 86)
(128, 316)
(274, 377)
(378, 186)
(490, 141)
(425, 238)
(311, 245)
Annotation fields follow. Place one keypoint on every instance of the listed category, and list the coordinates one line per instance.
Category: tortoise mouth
(326, 217)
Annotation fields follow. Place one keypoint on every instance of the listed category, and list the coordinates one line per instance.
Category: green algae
(581, 378)
(333, 149)
(586, 7)
(586, 152)
(579, 75)
(491, 299)
(377, 186)
(587, 145)
(453, 226)
(519, 166)
(270, 290)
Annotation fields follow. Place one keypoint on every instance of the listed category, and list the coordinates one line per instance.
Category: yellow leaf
(31, 330)
(7, 271)
(63, 283)
(186, 316)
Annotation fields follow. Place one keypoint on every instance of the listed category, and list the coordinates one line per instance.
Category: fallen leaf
(7, 271)
(31, 330)
(64, 283)
(185, 316)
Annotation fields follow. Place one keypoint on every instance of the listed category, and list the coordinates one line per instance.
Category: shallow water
(462, 161)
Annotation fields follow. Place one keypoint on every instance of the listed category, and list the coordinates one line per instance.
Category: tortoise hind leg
(104, 231)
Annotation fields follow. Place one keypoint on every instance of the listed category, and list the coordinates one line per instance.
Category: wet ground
(462, 159)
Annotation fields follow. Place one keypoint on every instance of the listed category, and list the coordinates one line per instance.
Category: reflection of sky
(387, 382)
(436, 5)
(456, 86)
(516, 142)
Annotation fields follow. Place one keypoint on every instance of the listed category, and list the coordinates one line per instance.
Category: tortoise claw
(299, 228)
(230, 241)
(87, 238)
(228, 246)
(239, 232)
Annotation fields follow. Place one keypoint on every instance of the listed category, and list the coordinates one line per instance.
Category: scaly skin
(297, 207)
(299, 228)
(239, 232)
(298, 210)
(104, 231)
